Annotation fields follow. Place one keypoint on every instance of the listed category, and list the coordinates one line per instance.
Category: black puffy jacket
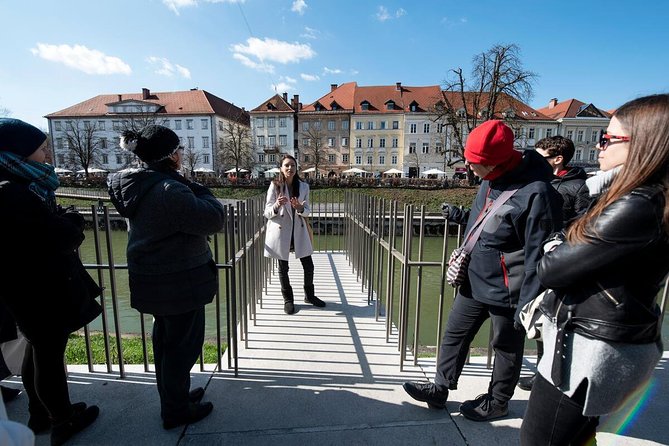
(574, 192)
(609, 283)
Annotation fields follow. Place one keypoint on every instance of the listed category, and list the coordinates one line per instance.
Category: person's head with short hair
(155, 145)
(489, 150)
(22, 139)
(557, 150)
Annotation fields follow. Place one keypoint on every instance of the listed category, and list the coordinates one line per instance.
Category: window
(438, 147)
(205, 158)
(440, 127)
(61, 159)
(306, 158)
(594, 135)
(261, 157)
(344, 142)
(549, 133)
(331, 125)
(370, 159)
(282, 122)
(394, 142)
(344, 125)
(426, 147)
(317, 125)
(177, 124)
(412, 128)
(272, 158)
(283, 140)
(58, 125)
(331, 142)
(370, 125)
(413, 107)
(306, 142)
(358, 159)
(426, 128)
(382, 143)
(260, 123)
(103, 143)
(570, 134)
(592, 156)
(305, 125)
(189, 124)
(370, 142)
(59, 143)
(358, 142)
(382, 125)
(261, 141)
(364, 105)
(271, 123)
(105, 158)
(579, 136)
(396, 125)
(412, 147)
(358, 125)
(531, 133)
(205, 142)
(382, 159)
(204, 124)
(221, 126)
(271, 140)
(577, 154)
(119, 159)
(393, 159)
(344, 158)
(117, 125)
(390, 105)
(332, 159)
(87, 124)
(191, 142)
(101, 125)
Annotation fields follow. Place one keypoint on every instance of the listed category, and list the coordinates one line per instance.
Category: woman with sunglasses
(601, 327)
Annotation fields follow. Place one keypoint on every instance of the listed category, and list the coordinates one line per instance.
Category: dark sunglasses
(605, 139)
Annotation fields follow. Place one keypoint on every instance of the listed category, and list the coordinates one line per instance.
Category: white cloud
(263, 67)
(299, 6)
(382, 14)
(309, 77)
(81, 58)
(310, 33)
(271, 50)
(288, 79)
(453, 22)
(281, 87)
(166, 68)
(176, 5)
(327, 70)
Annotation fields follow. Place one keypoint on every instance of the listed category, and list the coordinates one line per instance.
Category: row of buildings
(374, 128)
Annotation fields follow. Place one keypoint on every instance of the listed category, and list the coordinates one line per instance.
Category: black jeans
(554, 419)
(466, 317)
(177, 343)
(286, 288)
(45, 379)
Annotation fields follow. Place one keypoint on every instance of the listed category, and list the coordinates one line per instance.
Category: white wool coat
(281, 227)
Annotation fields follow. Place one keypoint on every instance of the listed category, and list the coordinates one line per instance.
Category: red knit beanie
(490, 144)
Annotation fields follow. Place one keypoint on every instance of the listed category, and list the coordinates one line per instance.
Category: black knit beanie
(152, 143)
(20, 137)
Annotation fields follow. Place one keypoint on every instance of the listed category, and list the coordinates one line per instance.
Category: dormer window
(318, 107)
(334, 106)
(270, 106)
(413, 106)
(390, 105)
(364, 105)
(461, 113)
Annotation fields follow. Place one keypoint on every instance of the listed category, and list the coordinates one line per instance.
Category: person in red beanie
(501, 276)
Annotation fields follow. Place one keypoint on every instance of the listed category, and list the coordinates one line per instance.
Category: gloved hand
(75, 218)
(446, 210)
(553, 241)
(518, 326)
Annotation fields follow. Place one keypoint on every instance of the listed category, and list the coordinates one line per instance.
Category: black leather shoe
(195, 395)
(526, 382)
(41, 423)
(484, 408)
(427, 392)
(195, 413)
(79, 421)
(316, 302)
(288, 308)
(9, 393)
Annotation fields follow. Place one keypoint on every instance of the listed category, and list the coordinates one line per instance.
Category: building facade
(273, 126)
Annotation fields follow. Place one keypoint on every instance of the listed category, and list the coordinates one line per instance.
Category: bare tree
(415, 159)
(235, 147)
(83, 143)
(5, 112)
(190, 160)
(497, 79)
(140, 118)
(316, 148)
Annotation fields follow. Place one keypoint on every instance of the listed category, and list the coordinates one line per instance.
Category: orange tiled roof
(343, 95)
(191, 102)
(275, 103)
(567, 109)
(504, 103)
(403, 97)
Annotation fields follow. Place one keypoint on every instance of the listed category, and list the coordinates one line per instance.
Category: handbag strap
(490, 210)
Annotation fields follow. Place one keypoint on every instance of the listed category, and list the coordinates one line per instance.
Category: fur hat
(490, 144)
(152, 143)
(20, 137)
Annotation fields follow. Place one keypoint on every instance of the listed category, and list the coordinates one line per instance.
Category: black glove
(446, 210)
(75, 218)
(518, 326)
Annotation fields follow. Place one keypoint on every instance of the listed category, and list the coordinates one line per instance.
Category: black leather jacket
(605, 288)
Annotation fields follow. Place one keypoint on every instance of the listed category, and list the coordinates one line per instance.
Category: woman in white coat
(286, 207)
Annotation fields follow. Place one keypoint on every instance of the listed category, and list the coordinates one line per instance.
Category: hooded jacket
(574, 191)
(502, 267)
(169, 261)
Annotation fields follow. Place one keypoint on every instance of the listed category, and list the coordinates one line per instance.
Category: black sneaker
(484, 408)
(195, 395)
(40, 422)
(427, 392)
(76, 423)
(316, 302)
(195, 413)
(288, 308)
(526, 382)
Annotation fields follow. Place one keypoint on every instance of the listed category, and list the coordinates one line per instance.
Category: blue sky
(58, 53)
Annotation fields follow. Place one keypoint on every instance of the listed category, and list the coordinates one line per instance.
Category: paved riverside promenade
(321, 377)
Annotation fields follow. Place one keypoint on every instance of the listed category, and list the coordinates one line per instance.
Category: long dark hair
(280, 180)
(647, 161)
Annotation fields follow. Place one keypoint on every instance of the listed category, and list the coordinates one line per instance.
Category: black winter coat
(615, 276)
(574, 192)
(502, 269)
(43, 283)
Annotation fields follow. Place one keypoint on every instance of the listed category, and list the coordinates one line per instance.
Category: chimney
(145, 93)
(552, 103)
(398, 86)
(296, 102)
(285, 96)
(119, 98)
(333, 87)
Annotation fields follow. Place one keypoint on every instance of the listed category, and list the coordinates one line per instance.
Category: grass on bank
(132, 350)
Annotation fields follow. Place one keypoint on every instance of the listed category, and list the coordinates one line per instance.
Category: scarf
(600, 182)
(42, 179)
